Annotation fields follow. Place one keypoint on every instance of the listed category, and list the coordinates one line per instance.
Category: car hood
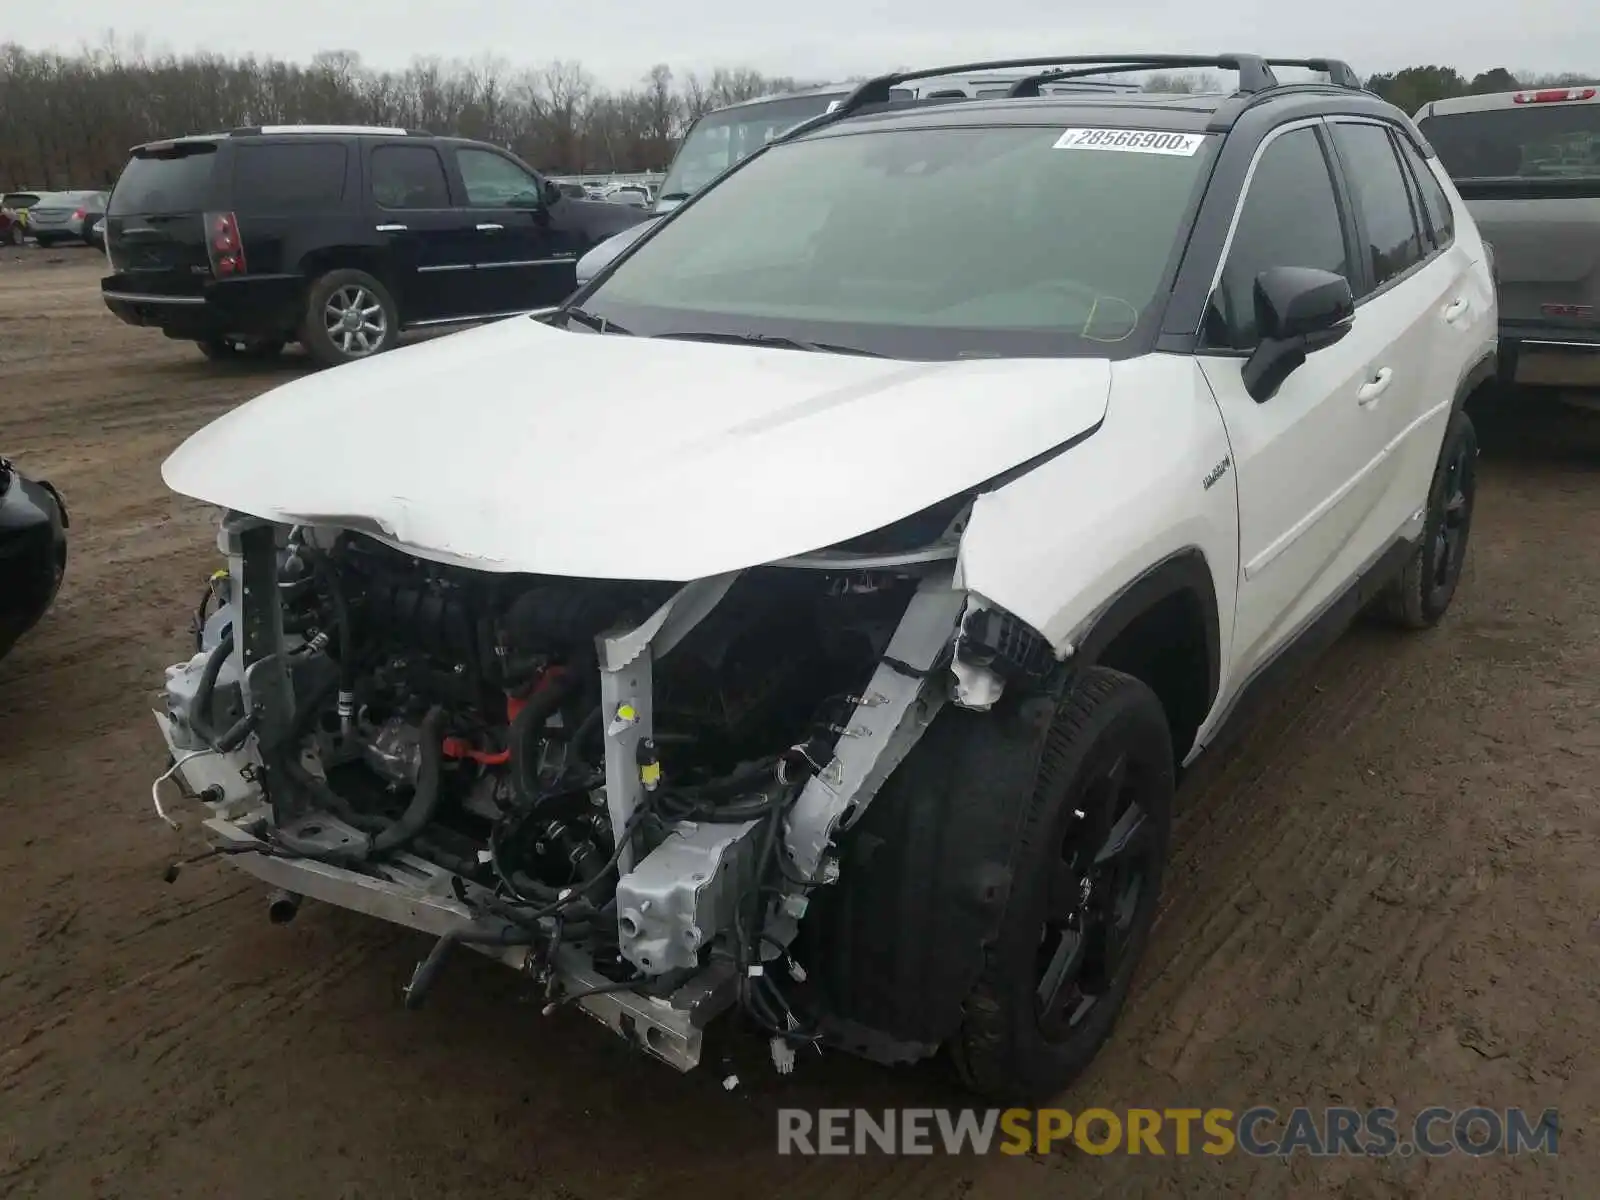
(522, 447)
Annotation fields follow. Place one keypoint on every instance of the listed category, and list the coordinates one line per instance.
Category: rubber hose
(527, 735)
(425, 799)
(585, 730)
(389, 836)
(199, 719)
(422, 979)
(322, 568)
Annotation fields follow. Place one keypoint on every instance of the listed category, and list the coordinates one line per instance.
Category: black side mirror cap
(552, 192)
(1296, 302)
(1299, 310)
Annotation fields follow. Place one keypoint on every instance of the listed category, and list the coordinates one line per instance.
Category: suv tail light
(79, 215)
(224, 245)
(1555, 95)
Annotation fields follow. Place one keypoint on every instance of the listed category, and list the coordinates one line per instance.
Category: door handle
(1369, 392)
(1453, 312)
(390, 228)
(490, 228)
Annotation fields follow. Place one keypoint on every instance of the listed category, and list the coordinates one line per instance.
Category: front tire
(349, 316)
(1088, 862)
(965, 878)
(1421, 594)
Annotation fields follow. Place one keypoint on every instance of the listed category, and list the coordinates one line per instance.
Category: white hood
(521, 447)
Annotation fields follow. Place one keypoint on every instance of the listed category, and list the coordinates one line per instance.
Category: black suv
(338, 237)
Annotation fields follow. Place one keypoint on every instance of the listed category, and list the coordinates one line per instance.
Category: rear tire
(349, 316)
(1421, 594)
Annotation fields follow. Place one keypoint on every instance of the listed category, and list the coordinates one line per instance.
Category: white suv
(814, 614)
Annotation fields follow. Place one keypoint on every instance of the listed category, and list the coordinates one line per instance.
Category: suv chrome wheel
(355, 321)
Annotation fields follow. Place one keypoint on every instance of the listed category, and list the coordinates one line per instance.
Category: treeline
(1413, 87)
(67, 120)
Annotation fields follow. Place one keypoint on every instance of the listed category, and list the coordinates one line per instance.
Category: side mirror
(552, 193)
(1299, 310)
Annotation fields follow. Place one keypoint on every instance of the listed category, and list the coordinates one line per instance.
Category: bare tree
(68, 120)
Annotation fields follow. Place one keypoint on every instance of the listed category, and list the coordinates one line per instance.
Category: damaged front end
(626, 790)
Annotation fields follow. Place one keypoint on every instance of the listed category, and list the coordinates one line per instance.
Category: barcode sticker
(1131, 141)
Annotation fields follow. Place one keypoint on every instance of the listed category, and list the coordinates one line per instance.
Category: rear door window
(1393, 238)
(172, 179)
(283, 177)
(409, 177)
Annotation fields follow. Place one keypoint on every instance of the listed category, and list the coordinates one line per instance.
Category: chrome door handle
(1455, 311)
(390, 228)
(490, 228)
(1369, 392)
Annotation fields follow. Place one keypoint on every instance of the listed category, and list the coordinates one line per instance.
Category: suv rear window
(1540, 141)
(277, 177)
(172, 179)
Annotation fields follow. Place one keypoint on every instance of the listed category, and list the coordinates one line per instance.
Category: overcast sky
(617, 40)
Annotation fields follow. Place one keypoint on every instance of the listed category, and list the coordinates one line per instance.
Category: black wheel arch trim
(1186, 571)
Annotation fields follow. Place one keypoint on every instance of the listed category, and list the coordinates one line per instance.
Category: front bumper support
(411, 891)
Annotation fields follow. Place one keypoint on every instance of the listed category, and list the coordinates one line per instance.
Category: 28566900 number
(1131, 141)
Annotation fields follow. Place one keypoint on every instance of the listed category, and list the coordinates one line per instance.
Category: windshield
(899, 242)
(720, 139)
(174, 179)
(1552, 141)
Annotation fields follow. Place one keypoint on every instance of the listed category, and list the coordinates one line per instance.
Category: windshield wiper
(672, 196)
(772, 339)
(593, 321)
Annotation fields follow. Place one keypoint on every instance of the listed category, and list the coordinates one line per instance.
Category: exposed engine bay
(628, 790)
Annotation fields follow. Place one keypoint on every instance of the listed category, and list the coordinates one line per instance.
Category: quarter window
(1435, 204)
(282, 177)
(1290, 218)
(1393, 240)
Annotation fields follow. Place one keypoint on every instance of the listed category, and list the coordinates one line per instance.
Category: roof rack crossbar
(1339, 72)
(1032, 84)
(1254, 71)
(1254, 74)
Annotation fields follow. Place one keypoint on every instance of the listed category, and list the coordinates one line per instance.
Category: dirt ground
(1389, 893)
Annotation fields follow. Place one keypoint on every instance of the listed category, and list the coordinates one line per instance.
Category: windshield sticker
(1131, 141)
